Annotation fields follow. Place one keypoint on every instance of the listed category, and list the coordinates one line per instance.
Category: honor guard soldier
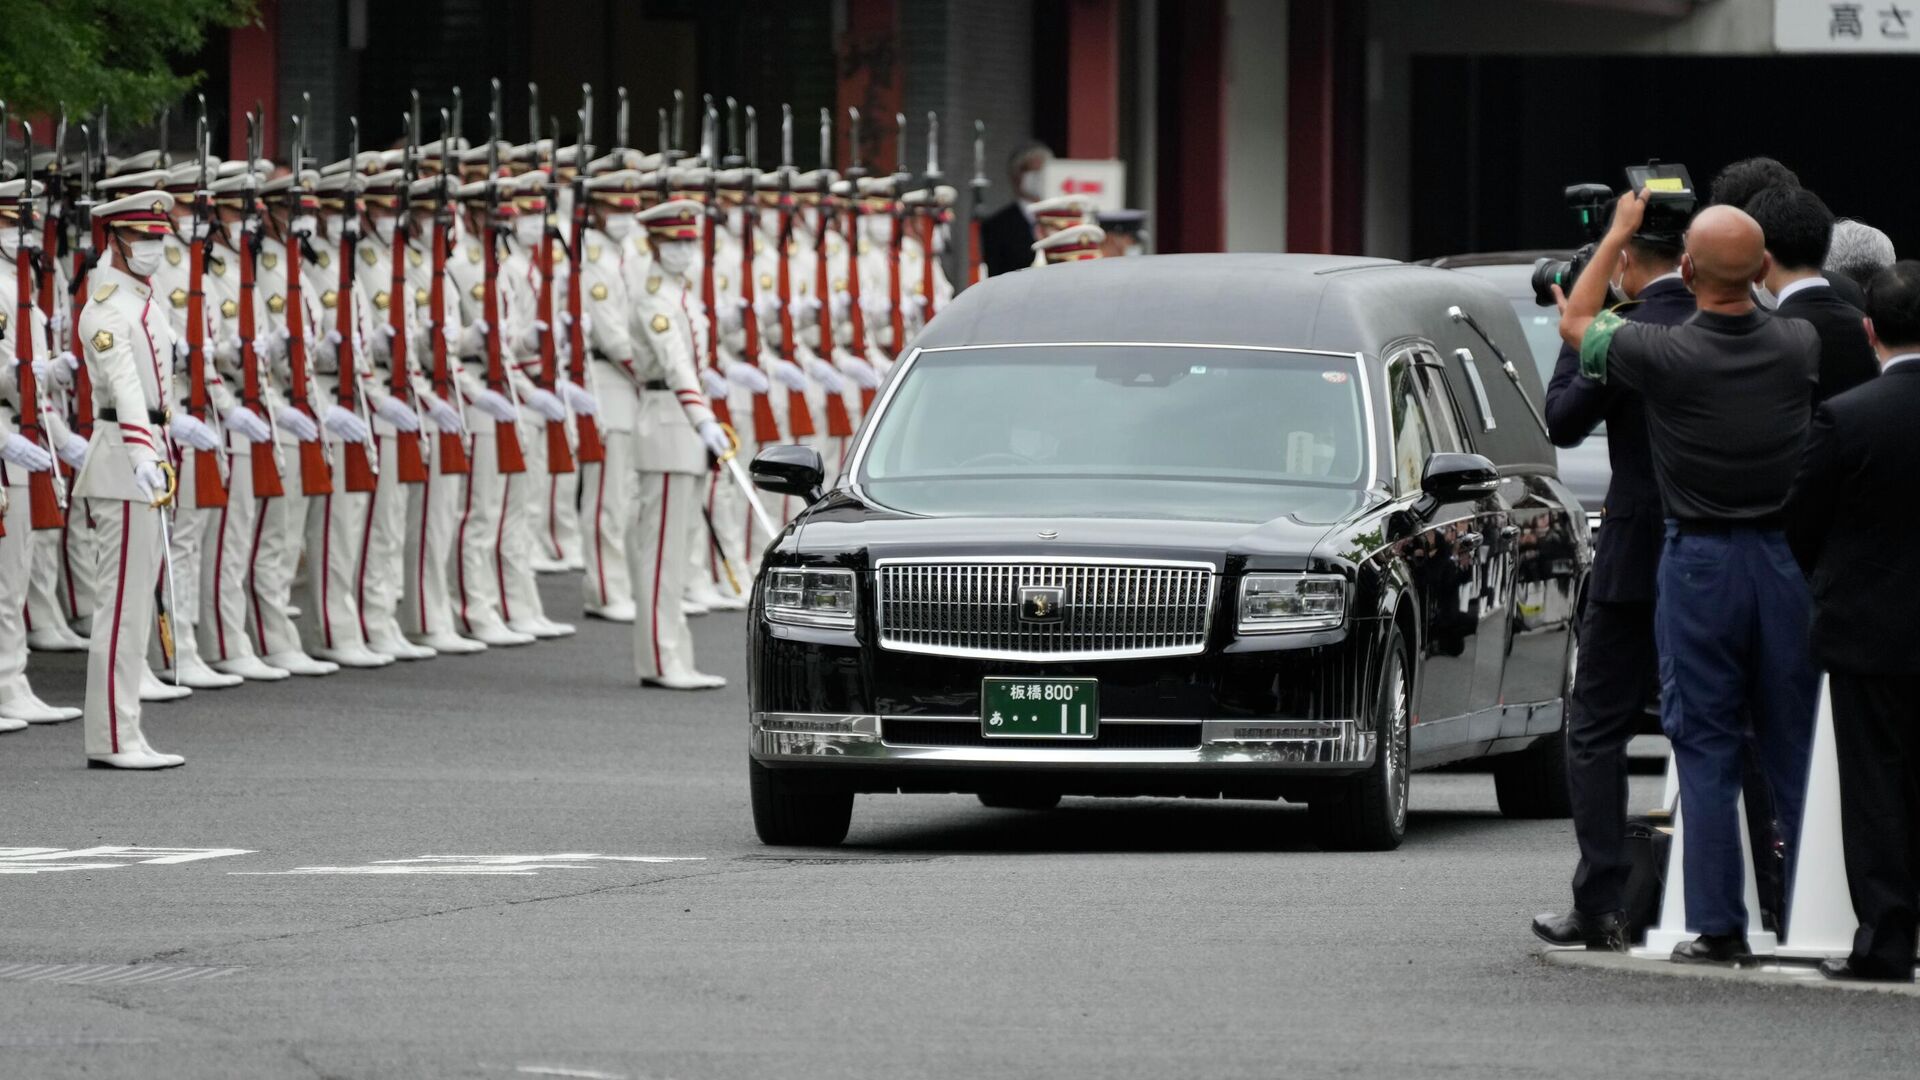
(924, 207)
(810, 301)
(1076, 243)
(675, 433)
(607, 305)
(127, 478)
(35, 501)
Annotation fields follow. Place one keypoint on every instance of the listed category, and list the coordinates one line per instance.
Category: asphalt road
(372, 928)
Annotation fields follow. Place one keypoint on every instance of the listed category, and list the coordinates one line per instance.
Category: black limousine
(1241, 526)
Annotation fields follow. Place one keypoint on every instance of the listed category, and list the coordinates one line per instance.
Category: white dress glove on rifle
(714, 383)
(181, 348)
(74, 451)
(150, 480)
(58, 370)
(767, 307)
(730, 309)
(859, 371)
(248, 423)
(345, 426)
(806, 308)
(824, 374)
(715, 437)
(194, 433)
(298, 424)
(444, 416)
(21, 451)
(842, 302)
(494, 404)
(546, 404)
(579, 399)
(788, 373)
(395, 412)
(748, 376)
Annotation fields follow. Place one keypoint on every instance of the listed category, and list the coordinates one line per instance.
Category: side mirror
(1450, 477)
(790, 470)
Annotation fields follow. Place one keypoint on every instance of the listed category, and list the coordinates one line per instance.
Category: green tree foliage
(118, 52)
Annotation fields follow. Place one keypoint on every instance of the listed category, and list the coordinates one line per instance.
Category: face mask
(232, 229)
(770, 222)
(528, 230)
(674, 256)
(304, 225)
(877, 228)
(383, 229)
(1764, 297)
(143, 257)
(620, 226)
(9, 242)
(199, 230)
(939, 239)
(733, 219)
(1030, 188)
(336, 225)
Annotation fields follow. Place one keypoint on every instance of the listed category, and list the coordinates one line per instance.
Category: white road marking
(494, 865)
(109, 974)
(555, 1070)
(44, 860)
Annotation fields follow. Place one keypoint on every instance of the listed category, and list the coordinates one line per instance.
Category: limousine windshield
(1135, 430)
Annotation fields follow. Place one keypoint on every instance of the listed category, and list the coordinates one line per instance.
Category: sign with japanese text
(1846, 25)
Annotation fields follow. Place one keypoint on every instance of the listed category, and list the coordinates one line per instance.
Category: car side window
(1412, 435)
(1449, 430)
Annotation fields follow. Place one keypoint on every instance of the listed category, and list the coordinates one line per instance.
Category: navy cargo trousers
(1731, 627)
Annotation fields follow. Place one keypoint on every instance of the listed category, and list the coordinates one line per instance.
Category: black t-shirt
(1728, 399)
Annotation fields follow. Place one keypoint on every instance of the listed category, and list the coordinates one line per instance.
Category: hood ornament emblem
(1049, 534)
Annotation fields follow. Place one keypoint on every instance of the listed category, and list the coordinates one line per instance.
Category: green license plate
(1040, 708)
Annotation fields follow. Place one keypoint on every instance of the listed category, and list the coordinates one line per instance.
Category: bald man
(1728, 397)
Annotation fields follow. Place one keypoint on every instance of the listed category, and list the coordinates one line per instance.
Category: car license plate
(1040, 708)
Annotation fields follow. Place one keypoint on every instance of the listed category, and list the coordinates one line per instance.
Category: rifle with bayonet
(209, 466)
(592, 449)
(710, 157)
(976, 258)
(766, 429)
(799, 416)
(88, 241)
(858, 315)
(362, 468)
(559, 446)
(266, 455)
(930, 211)
(839, 424)
(506, 433)
(897, 316)
(47, 501)
(316, 462)
(453, 444)
(410, 461)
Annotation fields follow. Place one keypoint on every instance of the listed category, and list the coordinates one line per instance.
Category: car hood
(847, 530)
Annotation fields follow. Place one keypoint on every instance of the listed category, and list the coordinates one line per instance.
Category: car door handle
(1469, 541)
(1509, 532)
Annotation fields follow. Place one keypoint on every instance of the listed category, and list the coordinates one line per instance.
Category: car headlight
(1283, 603)
(811, 598)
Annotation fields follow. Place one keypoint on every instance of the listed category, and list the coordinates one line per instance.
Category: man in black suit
(1799, 229)
(1738, 184)
(1617, 654)
(1007, 235)
(1853, 529)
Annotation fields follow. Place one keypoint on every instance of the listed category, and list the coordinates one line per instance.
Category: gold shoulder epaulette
(105, 291)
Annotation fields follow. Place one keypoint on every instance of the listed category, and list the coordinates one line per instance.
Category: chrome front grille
(1109, 611)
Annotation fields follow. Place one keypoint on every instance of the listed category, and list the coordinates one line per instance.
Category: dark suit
(1853, 527)
(1007, 237)
(1846, 356)
(1617, 654)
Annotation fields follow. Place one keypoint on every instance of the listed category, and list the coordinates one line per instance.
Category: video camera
(1670, 205)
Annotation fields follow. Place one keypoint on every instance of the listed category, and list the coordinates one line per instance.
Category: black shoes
(1842, 970)
(1722, 950)
(1607, 932)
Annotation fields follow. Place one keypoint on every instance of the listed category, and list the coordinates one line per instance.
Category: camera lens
(1546, 274)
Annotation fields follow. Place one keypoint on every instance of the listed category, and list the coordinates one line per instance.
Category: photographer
(1728, 395)
(1616, 626)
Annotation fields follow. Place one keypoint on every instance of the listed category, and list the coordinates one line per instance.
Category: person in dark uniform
(1617, 658)
(1853, 530)
(1739, 183)
(1007, 234)
(1728, 398)
(1799, 230)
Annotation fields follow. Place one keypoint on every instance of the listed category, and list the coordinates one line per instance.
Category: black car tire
(1369, 811)
(1532, 783)
(788, 812)
(1020, 800)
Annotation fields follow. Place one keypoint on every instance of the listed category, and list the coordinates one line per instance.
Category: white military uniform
(609, 272)
(70, 564)
(129, 357)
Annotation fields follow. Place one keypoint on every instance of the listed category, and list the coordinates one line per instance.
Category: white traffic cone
(1822, 923)
(1672, 929)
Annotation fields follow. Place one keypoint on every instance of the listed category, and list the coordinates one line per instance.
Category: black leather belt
(1726, 527)
(112, 416)
(656, 384)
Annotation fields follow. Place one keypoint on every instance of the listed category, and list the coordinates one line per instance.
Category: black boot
(1604, 932)
(1723, 950)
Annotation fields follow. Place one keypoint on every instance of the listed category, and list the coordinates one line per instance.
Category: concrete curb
(1769, 974)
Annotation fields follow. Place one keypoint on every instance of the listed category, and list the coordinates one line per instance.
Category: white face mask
(528, 230)
(1764, 296)
(877, 228)
(620, 226)
(770, 222)
(336, 225)
(9, 242)
(232, 229)
(303, 225)
(939, 239)
(143, 257)
(1030, 188)
(674, 256)
(383, 229)
(733, 219)
(199, 230)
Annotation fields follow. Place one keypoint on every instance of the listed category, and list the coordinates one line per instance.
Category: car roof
(1522, 257)
(1332, 303)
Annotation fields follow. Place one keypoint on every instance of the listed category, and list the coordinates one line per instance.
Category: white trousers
(379, 578)
(433, 512)
(190, 556)
(606, 514)
(79, 574)
(559, 537)
(16, 553)
(336, 532)
(44, 609)
(128, 538)
(477, 572)
(525, 494)
(657, 561)
(279, 534)
(224, 595)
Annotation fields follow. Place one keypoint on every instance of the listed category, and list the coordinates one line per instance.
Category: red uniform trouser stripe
(460, 538)
(325, 568)
(113, 639)
(253, 578)
(553, 514)
(366, 544)
(659, 560)
(599, 543)
(420, 564)
(219, 563)
(499, 546)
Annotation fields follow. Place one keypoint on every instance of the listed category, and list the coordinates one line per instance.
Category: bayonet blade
(786, 137)
(586, 119)
(166, 158)
(753, 139)
(733, 158)
(826, 137)
(900, 145)
(933, 147)
(679, 118)
(853, 142)
(533, 115)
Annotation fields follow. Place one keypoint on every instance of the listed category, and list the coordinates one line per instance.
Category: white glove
(842, 302)
(915, 305)
(748, 376)
(395, 412)
(586, 323)
(545, 403)
(298, 424)
(74, 451)
(54, 370)
(387, 331)
(444, 416)
(806, 308)
(715, 437)
(579, 399)
(828, 378)
(21, 451)
(334, 339)
(494, 404)
(730, 310)
(540, 326)
(194, 433)
(345, 426)
(248, 423)
(714, 383)
(181, 348)
(859, 371)
(150, 480)
(767, 307)
(788, 373)
(876, 307)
